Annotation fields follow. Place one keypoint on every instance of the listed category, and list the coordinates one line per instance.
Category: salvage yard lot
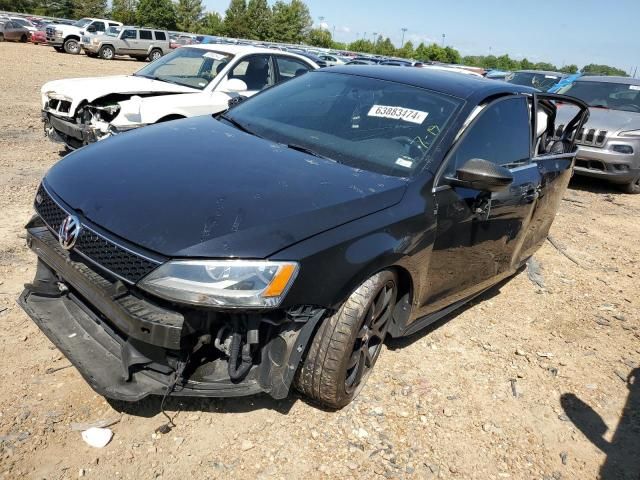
(490, 392)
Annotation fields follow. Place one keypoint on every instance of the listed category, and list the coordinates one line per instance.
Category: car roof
(449, 83)
(543, 72)
(608, 79)
(244, 49)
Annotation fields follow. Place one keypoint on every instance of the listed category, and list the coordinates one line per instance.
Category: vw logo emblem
(69, 231)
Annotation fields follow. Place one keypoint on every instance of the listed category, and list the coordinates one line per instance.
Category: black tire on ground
(140, 59)
(23, 38)
(1, 37)
(347, 344)
(107, 52)
(155, 54)
(633, 186)
(72, 46)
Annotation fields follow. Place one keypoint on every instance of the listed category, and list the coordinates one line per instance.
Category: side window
(501, 134)
(129, 34)
(113, 24)
(291, 67)
(255, 71)
(160, 36)
(145, 35)
(99, 26)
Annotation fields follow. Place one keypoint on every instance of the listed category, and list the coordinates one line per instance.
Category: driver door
(480, 233)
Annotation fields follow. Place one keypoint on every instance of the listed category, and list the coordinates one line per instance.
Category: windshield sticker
(403, 162)
(634, 87)
(214, 55)
(398, 113)
(550, 76)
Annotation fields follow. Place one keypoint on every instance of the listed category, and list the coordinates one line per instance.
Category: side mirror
(236, 101)
(91, 29)
(234, 85)
(482, 175)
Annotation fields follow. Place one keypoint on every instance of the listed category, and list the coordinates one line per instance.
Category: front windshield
(615, 96)
(541, 81)
(191, 67)
(82, 22)
(366, 123)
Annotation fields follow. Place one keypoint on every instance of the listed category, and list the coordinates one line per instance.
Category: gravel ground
(527, 382)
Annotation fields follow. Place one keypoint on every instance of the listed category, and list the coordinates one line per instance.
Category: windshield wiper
(600, 106)
(300, 148)
(238, 125)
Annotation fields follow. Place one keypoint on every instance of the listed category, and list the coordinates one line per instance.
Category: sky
(562, 32)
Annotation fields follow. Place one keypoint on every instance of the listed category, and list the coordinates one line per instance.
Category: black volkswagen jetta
(281, 242)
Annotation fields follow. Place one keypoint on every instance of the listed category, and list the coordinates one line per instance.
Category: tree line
(285, 22)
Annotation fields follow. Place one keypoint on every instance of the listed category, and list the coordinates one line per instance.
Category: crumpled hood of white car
(89, 89)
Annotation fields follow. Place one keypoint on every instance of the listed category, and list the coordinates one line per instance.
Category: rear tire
(1, 37)
(155, 54)
(72, 46)
(107, 52)
(23, 38)
(348, 343)
(633, 187)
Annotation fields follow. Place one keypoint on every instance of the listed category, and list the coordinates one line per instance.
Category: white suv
(67, 37)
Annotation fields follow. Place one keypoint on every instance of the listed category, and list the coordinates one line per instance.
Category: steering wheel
(413, 148)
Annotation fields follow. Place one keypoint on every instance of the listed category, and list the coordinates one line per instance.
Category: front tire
(107, 52)
(23, 38)
(72, 46)
(347, 344)
(633, 187)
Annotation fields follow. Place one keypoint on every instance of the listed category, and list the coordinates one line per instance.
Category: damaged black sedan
(280, 243)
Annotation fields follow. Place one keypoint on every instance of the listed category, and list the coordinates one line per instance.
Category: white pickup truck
(192, 80)
(66, 38)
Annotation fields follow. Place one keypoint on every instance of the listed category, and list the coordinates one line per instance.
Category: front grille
(62, 106)
(100, 250)
(50, 31)
(589, 137)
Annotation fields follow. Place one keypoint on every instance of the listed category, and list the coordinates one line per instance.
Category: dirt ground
(528, 382)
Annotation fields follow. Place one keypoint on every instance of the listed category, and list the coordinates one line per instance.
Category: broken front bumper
(64, 131)
(101, 327)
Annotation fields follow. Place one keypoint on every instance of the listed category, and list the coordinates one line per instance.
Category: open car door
(554, 152)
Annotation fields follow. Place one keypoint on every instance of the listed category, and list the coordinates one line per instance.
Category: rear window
(145, 35)
(160, 36)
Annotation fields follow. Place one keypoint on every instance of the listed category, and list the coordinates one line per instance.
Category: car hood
(200, 188)
(603, 119)
(78, 90)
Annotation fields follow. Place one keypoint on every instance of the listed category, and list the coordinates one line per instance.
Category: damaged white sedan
(194, 80)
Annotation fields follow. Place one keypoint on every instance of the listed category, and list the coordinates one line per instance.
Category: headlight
(631, 133)
(222, 283)
(58, 33)
(95, 41)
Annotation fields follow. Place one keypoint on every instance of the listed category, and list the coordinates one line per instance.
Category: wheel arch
(71, 36)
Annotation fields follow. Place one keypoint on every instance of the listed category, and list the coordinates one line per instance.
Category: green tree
(290, 22)
(258, 18)
(212, 24)
(188, 14)
(361, 46)
(319, 37)
(235, 19)
(21, 6)
(156, 13)
(90, 8)
(124, 11)
(338, 45)
(603, 70)
(525, 64)
(569, 69)
(385, 47)
(453, 56)
(406, 51)
(545, 66)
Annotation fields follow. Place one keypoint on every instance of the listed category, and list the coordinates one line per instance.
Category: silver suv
(136, 42)
(609, 143)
